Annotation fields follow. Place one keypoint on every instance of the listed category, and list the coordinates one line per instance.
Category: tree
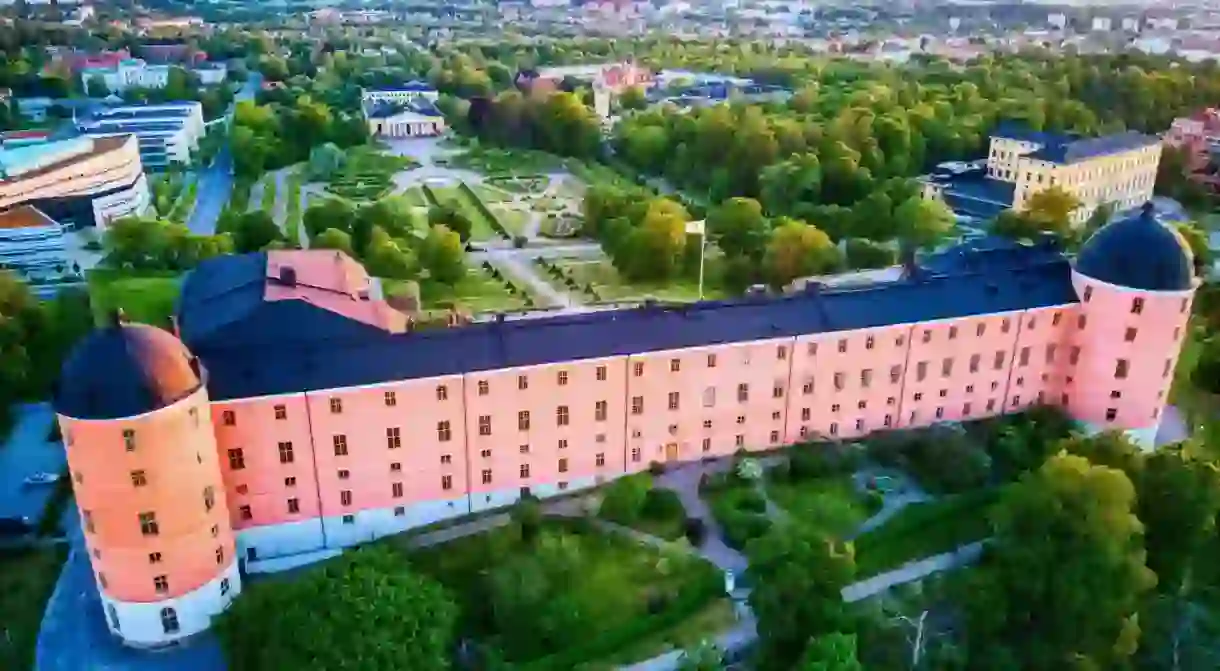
(1179, 498)
(443, 256)
(333, 238)
(95, 87)
(864, 254)
(703, 657)
(366, 608)
(253, 231)
(1196, 241)
(329, 213)
(526, 513)
(739, 228)
(798, 576)
(1051, 209)
(797, 249)
(448, 215)
(623, 501)
(1061, 581)
(923, 222)
(633, 98)
(831, 652)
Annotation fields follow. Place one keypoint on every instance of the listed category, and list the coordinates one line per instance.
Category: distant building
(80, 182)
(407, 111)
(401, 94)
(1119, 170)
(136, 73)
(167, 132)
(32, 244)
(1102, 24)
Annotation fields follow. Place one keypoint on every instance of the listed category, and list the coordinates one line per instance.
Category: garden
(27, 578)
(483, 222)
(148, 298)
(484, 289)
(367, 174)
(497, 161)
(632, 501)
(562, 595)
(598, 280)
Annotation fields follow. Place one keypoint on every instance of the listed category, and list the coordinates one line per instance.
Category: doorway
(671, 452)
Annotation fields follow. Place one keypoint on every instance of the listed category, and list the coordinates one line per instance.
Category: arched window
(114, 617)
(169, 620)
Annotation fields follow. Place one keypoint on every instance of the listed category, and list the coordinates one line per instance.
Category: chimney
(288, 276)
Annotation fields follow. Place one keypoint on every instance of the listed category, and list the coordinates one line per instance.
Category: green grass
(496, 161)
(1194, 403)
(292, 220)
(513, 220)
(415, 196)
(186, 203)
(618, 578)
(833, 505)
(612, 287)
(143, 298)
(477, 292)
(27, 579)
(490, 194)
(239, 198)
(268, 204)
(480, 227)
(925, 529)
(716, 617)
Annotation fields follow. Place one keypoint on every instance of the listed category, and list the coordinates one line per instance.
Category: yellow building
(1116, 169)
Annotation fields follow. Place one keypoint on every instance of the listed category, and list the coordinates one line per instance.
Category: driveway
(27, 451)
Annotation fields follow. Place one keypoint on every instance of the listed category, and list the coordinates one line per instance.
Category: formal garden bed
(367, 174)
(27, 578)
(483, 289)
(415, 196)
(925, 529)
(520, 184)
(632, 501)
(496, 161)
(146, 297)
(483, 222)
(599, 281)
(564, 594)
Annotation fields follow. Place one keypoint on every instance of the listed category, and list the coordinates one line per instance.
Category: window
(154, 557)
(980, 330)
(345, 497)
(918, 396)
(637, 405)
(228, 417)
(1137, 306)
(889, 420)
(635, 454)
(393, 438)
(1005, 326)
(840, 381)
(927, 335)
(900, 341)
(739, 440)
(999, 360)
(349, 519)
(562, 378)
(805, 414)
(442, 431)
(807, 388)
(563, 465)
(711, 361)
(1056, 319)
(781, 353)
(944, 393)
(487, 476)
(777, 391)
(812, 349)
(281, 412)
(485, 453)
(148, 524)
(399, 511)
(842, 346)
(1130, 335)
(561, 415)
(862, 405)
(1033, 323)
(599, 459)
(129, 439)
(743, 392)
(675, 365)
(237, 459)
(336, 406)
(224, 586)
(484, 388)
(294, 506)
(1121, 369)
(523, 382)
(138, 479)
(446, 482)
(952, 332)
(209, 498)
(990, 405)
(1016, 400)
(344, 474)
(1074, 356)
(1024, 356)
(169, 617)
(921, 371)
(1081, 322)
(523, 420)
(673, 400)
(895, 374)
(396, 490)
(391, 399)
(220, 556)
(673, 429)
(1111, 414)
(741, 419)
(974, 362)
(707, 423)
(286, 455)
(638, 369)
(245, 512)
(870, 342)
(340, 441)
(448, 458)
(524, 471)
(484, 425)
(709, 397)
(946, 368)
(1168, 367)
(776, 415)
(1116, 394)
(601, 373)
(101, 579)
(442, 392)
(834, 428)
(866, 378)
(1050, 353)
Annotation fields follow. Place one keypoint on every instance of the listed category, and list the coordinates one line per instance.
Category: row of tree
(272, 136)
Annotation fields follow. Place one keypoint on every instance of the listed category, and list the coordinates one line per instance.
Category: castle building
(295, 415)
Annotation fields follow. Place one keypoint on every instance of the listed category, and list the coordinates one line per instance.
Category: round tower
(134, 415)
(1135, 282)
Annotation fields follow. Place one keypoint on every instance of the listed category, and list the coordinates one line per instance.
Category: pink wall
(1158, 329)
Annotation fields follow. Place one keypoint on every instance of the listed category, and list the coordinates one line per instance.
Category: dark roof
(1138, 252)
(1080, 150)
(1013, 130)
(125, 370)
(291, 346)
(382, 109)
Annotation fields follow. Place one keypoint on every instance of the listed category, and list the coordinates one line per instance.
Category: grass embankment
(27, 578)
(925, 529)
(147, 298)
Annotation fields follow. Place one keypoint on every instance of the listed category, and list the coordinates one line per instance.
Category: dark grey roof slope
(1138, 252)
(291, 346)
(220, 291)
(1080, 150)
(125, 370)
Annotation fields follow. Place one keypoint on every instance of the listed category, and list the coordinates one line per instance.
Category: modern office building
(166, 132)
(1119, 170)
(295, 415)
(80, 182)
(32, 244)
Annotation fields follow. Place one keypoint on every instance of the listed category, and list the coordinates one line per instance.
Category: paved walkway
(912, 571)
(1173, 428)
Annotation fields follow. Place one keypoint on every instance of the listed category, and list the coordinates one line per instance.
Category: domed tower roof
(1138, 252)
(125, 370)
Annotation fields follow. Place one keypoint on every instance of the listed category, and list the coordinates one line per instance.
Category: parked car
(42, 478)
(15, 526)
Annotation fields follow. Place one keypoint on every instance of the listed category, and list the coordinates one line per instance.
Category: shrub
(750, 500)
(695, 531)
(520, 241)
(820, 460)
(874, 501)
(624, 499)
(662, 504)
(656, 468)
(741, 527)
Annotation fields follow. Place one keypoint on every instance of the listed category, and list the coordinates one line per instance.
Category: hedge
(433, 201)
(485, 211)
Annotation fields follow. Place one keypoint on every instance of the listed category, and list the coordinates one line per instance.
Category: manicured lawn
(611, 286)
(618, 601)
(143, 298)
(481, 228)
(491, 194)
(833, 505)
(366, 173)
(513, 220)
(925, 529)
(292, 220)
(477, 292)
(269, 184)
(27, 579)
(415, 196)
(507, 161)
(715, 618)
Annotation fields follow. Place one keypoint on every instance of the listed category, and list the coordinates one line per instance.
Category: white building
(32, 244)
(1102, 24)
(400, 94)
(167, 133)
(1058, 21)
(135, 73)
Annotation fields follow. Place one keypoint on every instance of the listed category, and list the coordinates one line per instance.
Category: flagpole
(702, 251)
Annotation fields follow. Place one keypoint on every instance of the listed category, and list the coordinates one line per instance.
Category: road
(216, 180)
